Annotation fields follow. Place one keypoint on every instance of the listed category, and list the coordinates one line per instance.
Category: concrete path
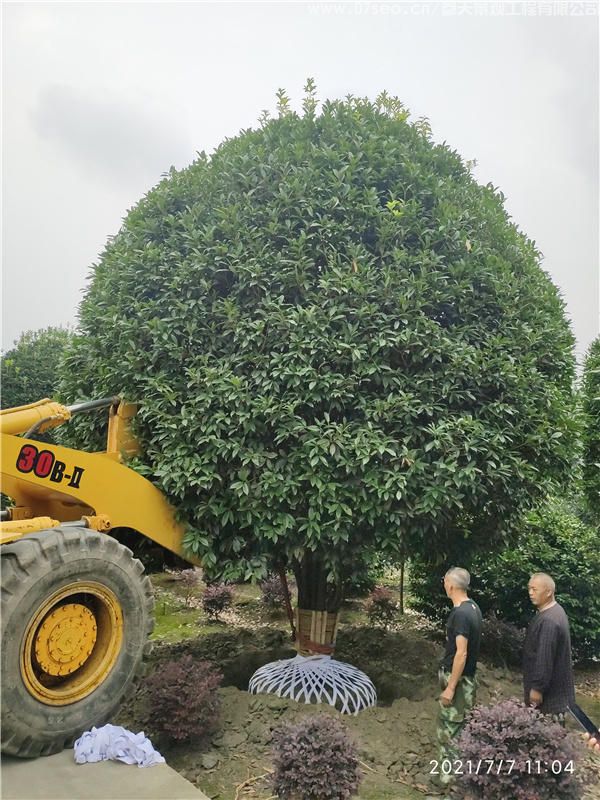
(60, 778)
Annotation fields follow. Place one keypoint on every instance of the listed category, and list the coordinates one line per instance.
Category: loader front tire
(76, 613)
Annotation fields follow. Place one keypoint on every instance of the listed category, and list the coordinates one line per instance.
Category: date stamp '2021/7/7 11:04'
(491, 766)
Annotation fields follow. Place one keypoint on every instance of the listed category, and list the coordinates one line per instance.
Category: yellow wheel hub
(65, 639)
(72, 643)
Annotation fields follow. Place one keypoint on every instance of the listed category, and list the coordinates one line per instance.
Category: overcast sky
(100, 99)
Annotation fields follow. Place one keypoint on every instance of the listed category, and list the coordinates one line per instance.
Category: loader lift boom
(66, 485)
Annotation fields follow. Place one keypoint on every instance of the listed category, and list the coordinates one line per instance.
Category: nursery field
(395, 740)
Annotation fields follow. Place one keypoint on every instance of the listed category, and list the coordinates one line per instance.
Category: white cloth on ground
(112, 742)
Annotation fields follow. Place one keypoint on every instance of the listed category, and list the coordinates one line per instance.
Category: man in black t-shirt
(458, 666)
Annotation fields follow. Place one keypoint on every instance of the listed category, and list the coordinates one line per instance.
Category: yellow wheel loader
(76, 607)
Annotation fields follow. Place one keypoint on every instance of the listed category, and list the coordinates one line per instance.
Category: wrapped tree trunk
(315, 632)
(313, 676)
(317, 613)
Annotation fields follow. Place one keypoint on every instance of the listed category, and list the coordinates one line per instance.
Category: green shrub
(552, 539)
(30, 369)
(29, 372)
(364, 572)
(359, 584)
(591, 430)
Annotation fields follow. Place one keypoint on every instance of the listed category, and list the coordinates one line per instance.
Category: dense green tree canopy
(591, 431)
(554, 539)
(30, 368)
(340, 341)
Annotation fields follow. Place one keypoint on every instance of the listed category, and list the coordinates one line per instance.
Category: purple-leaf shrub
(189, 579)
(216, 598)
(183, 699)
(315, 759)
(542, 751)
(381, 607)
(273, 595)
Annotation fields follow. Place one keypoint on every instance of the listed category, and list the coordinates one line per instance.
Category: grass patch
(174, 626)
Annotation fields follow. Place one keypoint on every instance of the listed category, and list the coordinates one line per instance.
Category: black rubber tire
(33, 568)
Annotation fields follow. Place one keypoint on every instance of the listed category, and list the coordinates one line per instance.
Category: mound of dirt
(238, 652)
(396, 739)
(400, 664)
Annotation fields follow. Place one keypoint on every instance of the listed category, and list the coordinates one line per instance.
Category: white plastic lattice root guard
(316, 679)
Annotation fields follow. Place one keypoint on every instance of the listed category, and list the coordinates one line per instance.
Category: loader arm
(48, 480)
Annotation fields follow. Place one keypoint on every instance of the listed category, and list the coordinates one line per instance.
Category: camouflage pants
(451, 719)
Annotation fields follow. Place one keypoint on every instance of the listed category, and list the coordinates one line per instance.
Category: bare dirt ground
(395, 739)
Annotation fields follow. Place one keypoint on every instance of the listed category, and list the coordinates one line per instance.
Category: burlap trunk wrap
(315, 632)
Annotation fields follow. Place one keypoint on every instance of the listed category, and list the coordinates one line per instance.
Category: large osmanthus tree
(341, 344)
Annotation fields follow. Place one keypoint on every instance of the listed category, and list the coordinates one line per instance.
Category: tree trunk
(318, 606)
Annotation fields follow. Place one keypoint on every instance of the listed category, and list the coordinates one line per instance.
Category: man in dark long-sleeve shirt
(547, 667)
